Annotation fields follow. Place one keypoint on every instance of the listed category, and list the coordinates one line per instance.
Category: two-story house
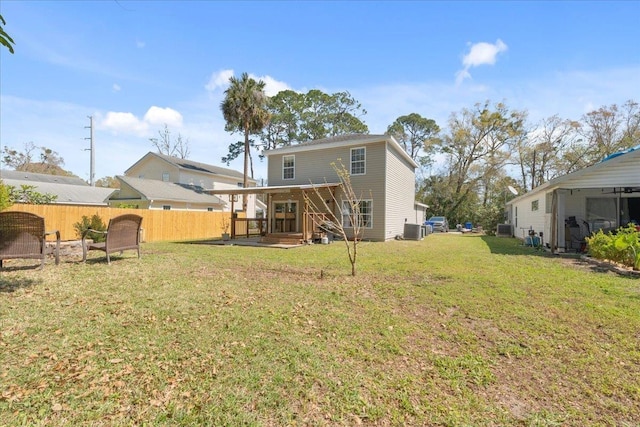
(158, 181)
(382, 175)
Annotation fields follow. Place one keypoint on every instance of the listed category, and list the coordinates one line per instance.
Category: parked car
(438, 223)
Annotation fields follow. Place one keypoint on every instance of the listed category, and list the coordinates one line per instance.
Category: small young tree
(93, 223)
(350, 215)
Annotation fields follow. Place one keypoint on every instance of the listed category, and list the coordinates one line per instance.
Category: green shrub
(5, 197)
(93, 223)
(600, 245)
(622, 247)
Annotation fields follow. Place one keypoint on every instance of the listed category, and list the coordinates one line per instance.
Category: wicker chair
(123, 233)
(22, 235)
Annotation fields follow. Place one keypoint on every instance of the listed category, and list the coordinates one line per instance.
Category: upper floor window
(358, 161)
(165, 176)
(288, 167)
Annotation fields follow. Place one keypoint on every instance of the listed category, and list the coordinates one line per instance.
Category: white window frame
(360, 163)
(365, 218)
(166, 176)
(291, 168)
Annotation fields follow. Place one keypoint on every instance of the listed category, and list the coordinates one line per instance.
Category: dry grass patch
(451, 330)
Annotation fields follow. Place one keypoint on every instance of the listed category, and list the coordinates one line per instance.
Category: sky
(134, 66)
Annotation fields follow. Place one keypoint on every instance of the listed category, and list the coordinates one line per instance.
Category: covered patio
(291, 218)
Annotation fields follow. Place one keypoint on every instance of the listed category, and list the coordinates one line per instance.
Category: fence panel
(157, 225)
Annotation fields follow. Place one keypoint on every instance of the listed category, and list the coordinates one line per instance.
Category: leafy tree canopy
(299, 117)
(108, 182)
(5, 39)
(35, 159)
(416, 134)
(244, 110)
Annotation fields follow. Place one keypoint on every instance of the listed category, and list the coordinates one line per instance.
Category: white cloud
(220, 79)
(272, 86)
(160, 116)
(140, 44)
(116, 87)
(126, 123)
(480, 54)
(129, 124)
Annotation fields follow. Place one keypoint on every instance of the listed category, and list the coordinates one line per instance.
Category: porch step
(288, 239)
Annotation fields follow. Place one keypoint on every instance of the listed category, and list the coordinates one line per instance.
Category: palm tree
(244, 109)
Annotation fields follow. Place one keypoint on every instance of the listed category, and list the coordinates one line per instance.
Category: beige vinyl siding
(207, 180)
(371, 186)
(314, 166)
(153, 169)
(400, 198)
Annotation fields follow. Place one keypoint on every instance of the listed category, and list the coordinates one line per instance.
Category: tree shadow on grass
(8, 285)
(513, 246)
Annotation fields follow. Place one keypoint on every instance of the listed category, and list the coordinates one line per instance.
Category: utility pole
(92, 166)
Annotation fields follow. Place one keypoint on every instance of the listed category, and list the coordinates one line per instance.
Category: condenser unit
(412, 232)
(504, 230)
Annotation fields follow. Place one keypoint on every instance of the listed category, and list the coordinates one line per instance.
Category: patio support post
(233, 223)
(305, 217)
(270, 213)
(554, 221)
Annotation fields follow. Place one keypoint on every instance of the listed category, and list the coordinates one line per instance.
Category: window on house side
(288, 167)
(534, 205)
(165, 176)
(366, 213)
(358, 161)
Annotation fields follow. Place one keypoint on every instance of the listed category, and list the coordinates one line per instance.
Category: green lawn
(452, 330)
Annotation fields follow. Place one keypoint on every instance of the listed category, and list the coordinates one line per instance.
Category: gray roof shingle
(159, 190)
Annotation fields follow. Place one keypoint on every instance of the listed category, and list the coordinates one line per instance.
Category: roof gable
(343, 141)
(152, 189)
(190, 165)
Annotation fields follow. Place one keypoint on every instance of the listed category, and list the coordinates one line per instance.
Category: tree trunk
(245, 183)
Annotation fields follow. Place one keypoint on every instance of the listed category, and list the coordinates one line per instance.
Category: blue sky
(135, 65)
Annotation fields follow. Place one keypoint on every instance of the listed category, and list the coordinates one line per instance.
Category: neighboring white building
(567, 209)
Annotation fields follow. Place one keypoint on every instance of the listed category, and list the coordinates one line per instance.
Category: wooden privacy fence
(157, 225)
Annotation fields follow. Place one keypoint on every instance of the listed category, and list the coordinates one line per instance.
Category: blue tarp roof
(620, 153)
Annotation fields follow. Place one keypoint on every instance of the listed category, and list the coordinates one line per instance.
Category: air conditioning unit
(504, 230)
(412, 231)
